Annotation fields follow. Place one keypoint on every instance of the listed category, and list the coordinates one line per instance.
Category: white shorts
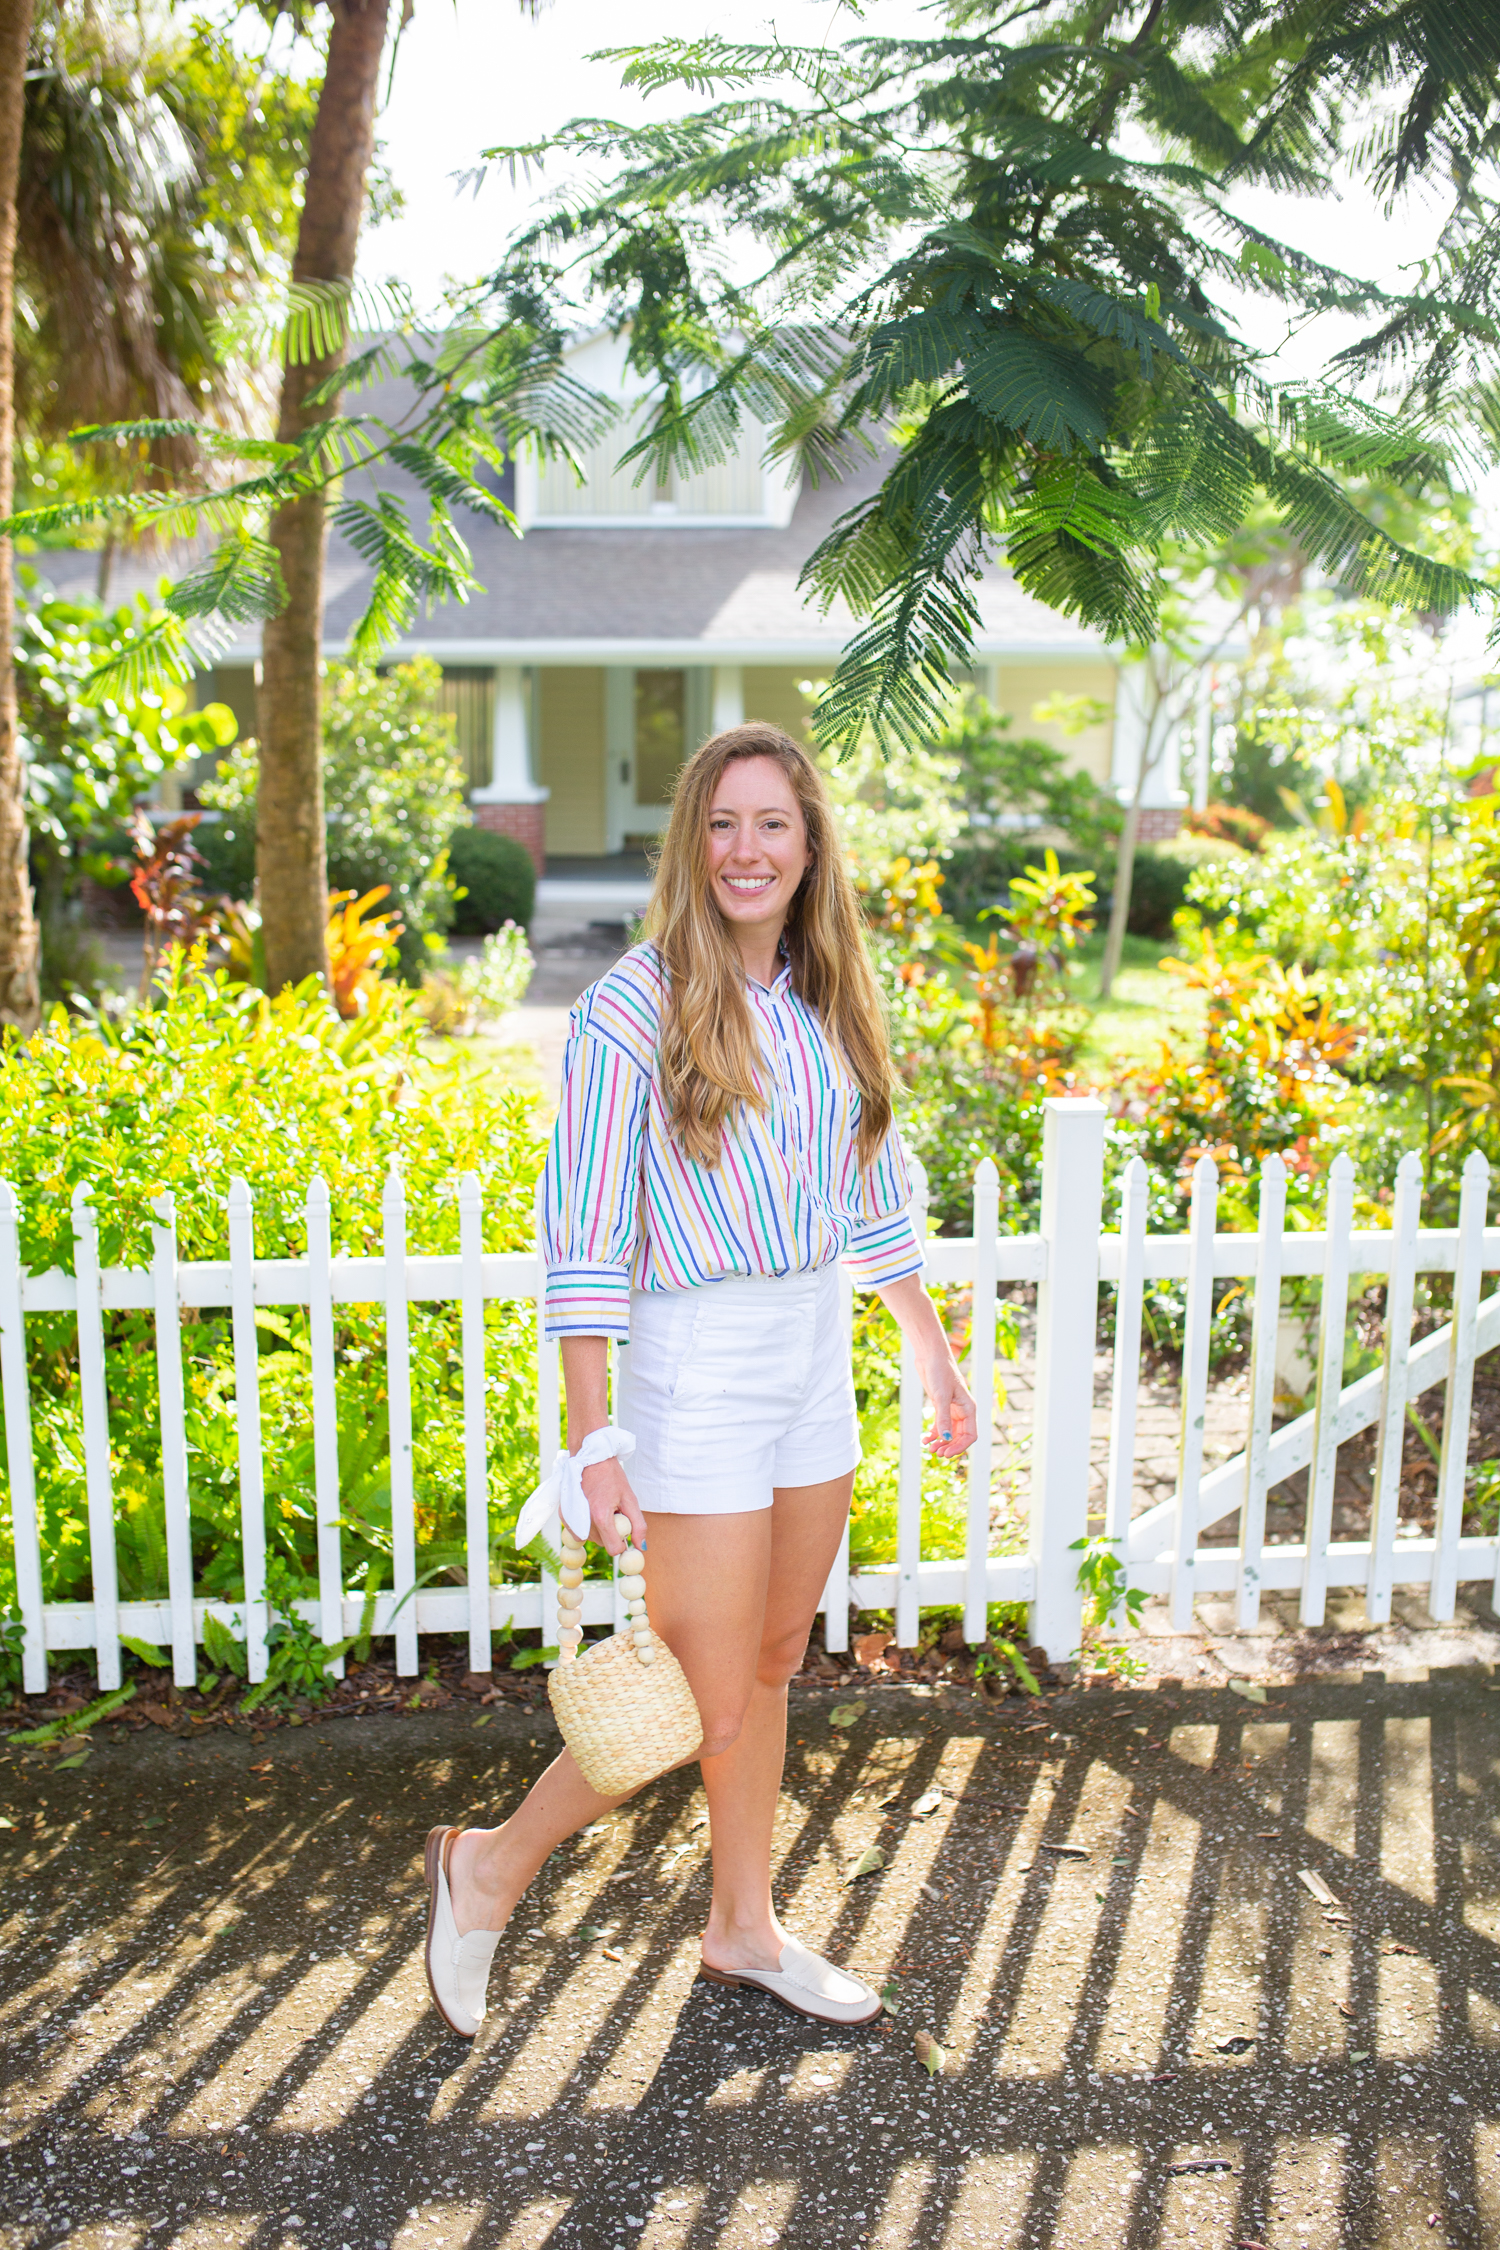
(736, 1387)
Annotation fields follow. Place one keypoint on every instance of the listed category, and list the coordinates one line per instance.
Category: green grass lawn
(1146, 1006)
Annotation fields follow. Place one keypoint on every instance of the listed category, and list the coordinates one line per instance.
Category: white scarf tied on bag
(562, 1487)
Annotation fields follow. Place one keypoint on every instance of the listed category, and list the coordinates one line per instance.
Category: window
(468, 696)
(660, 734)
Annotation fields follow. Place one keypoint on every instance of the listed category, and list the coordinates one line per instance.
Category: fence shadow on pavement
(216, 2033)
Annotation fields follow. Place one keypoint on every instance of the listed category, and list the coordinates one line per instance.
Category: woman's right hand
(607, 1491)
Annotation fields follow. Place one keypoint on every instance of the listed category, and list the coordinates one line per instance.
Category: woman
(725, 1140)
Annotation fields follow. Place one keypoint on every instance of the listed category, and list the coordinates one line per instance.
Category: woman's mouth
(748, 886)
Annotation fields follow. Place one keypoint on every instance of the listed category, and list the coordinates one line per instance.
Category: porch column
(728, 707)
(512, 803)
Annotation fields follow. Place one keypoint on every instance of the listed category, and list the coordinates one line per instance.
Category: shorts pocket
(662, 1333)
(749, 1359)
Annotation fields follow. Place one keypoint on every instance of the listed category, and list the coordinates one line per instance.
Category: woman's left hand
(955, 1423)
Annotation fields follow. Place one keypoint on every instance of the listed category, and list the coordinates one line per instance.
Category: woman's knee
(781, 1655)
(721, 1731)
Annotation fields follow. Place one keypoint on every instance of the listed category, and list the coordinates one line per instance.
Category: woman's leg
(745, 1676)
(707, 1598)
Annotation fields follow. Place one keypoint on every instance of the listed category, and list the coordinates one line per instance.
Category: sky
(475, 74)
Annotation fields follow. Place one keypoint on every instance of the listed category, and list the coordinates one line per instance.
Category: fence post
(325, 1402)
(1453, 1464)
(99, 1483)
(1126, 1388)
(982, 1383)
(241, 1209)
(1197, 1328)
(1067, 1314)
(476, 1460)
(1390, 1444)
(1262, 1391)
(1333, 1321)
(174, 1470)
(910, 1460)
(398, 1412)
(14, 1379)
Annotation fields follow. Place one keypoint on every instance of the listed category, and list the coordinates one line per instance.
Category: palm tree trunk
(290, 857)
(20, 996)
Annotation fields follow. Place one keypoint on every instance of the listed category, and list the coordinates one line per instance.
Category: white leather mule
(458, 1968)
(808, 1985)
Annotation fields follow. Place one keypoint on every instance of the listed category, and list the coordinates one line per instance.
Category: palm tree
(291, 865)
(20, 995)
(146, 186)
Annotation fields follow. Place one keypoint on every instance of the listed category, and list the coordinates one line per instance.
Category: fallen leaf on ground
(1344, 2009)
(6, 1822)
(63, 1764)
(155, 1821)
(263, 1767)
(927, 1803)
(1362, 2055)
(613, 1953)
(890, 1994)
(1238, 2045)
(929, 2052)
(843, 1715)
(871, 1858)
(1251, 1690)
(1312, 1881)
(588, 1930)
(483, 1719)
(1399, 1948)
(1064, 1851)
(1203, 2164)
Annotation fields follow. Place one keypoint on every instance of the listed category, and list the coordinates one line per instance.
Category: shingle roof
(677, 593)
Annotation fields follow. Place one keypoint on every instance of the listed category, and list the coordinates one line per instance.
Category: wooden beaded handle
(570, 1595)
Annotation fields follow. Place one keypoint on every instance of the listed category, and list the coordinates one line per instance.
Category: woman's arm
(954, 1422)
(606, 1487)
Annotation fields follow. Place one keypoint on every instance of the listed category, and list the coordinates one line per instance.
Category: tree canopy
(1015, 250)
(1011, 253)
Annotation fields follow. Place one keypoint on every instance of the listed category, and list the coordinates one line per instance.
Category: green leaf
(869, 1862)
(845, 1714)
(241, 581)
(929, 2053)
(147, 1651)
(65, 1764)
(1251, 1690)
(224, 1649)
(78, 1722)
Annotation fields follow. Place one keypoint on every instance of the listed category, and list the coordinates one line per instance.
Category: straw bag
(624, 1706)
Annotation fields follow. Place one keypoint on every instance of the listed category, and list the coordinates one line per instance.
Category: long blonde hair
(708, 1052)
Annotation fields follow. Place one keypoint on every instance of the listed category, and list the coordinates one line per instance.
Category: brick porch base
(1159, 824)
(527, 823)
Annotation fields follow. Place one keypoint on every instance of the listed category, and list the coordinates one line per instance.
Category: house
(633, 620)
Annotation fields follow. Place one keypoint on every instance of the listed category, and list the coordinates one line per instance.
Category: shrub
(460, 997)
(498, 876)
(221, 1080)
(393, 791)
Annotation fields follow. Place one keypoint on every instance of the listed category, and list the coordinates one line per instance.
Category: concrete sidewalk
(216, 2029)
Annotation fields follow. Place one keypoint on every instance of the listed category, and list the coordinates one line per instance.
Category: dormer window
(743, 492)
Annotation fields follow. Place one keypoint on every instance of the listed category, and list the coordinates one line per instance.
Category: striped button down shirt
(624, 1208)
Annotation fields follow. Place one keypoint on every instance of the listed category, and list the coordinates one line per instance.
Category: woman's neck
(760, 951)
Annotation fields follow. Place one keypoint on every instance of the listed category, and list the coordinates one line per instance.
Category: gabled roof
(662, 593)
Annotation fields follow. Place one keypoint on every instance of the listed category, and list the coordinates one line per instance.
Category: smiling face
(757, 849)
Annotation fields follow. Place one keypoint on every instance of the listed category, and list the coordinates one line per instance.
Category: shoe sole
(432, 1863)
(813, 2015)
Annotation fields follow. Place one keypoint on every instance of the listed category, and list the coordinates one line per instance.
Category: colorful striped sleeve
(591, 1189)
(883, 1245)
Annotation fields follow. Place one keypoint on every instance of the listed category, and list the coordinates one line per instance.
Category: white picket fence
(1068, 1259)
